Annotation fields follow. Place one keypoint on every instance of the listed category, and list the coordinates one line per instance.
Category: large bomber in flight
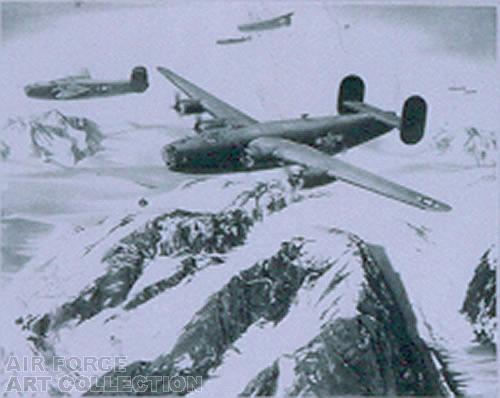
(82, 86)
(234, 141)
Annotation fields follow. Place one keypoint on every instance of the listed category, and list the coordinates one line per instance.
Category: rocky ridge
(51, 137)
(361, 317)
(480, 302)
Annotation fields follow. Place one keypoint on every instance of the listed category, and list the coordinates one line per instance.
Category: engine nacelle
(188, 106)
(210, 124)
(304, 178)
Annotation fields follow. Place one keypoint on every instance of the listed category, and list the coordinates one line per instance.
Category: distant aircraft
(267, 24)
(82, 86)
(234, 141)
(463, 89)
(234, 40)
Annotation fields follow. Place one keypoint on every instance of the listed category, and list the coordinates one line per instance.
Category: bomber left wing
(68, 91)
(216, 107)
(82, 74)
(304, 155)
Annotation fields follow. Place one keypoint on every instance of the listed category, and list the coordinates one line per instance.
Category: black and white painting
(343, 242)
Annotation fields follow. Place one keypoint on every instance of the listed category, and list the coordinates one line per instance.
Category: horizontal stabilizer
(388, 118)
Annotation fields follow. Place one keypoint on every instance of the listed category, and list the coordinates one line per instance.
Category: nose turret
(181, 153)
(37, 91)
(28, 90)
(170, 155)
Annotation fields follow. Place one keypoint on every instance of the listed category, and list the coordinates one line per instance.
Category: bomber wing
(69, 91)
(82, 74)
(309, 157)
(216, 107)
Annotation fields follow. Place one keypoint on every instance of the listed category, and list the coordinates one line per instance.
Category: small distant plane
(267, 24)
(462, 89)
(234, 141)
(234, 40)
(82, 86)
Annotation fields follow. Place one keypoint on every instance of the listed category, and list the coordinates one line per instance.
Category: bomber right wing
(214, 106)
(304, 155)
(82, 74)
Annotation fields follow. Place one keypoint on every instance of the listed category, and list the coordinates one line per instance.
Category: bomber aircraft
(267, 24)
(82, 86)
(234, 141)
(234, 40)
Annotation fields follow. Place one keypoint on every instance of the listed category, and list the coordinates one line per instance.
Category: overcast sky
(461, 30)
(20, 17)
(465, 30)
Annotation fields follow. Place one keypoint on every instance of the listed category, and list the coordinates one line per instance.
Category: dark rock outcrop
(480, 302)
(4, 151)
(375, 352)
(367, 342)
(470, 144)
(363, 339)
(196, 238)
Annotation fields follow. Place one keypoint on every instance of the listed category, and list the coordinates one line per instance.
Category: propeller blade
(197, 123)
(177, 99)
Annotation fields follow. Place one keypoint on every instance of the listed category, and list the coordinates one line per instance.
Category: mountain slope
(51, 137)
(327, 283)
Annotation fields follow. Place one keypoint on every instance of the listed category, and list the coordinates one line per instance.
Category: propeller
(197, 123)
(177, 100)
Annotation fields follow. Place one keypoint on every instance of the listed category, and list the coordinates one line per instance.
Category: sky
(468, 30)
(397, 50)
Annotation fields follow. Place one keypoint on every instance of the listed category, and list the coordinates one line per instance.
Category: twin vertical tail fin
(352, 89)
(139, 79)
(411, 124)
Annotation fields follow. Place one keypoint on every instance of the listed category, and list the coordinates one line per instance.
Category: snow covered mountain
(475, 147)
(50, 137)
(241, 279)
(342, 294)
(263, 261)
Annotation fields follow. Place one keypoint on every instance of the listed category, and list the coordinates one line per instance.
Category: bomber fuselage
(93, 88)
(227, 150)
(274, 23)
